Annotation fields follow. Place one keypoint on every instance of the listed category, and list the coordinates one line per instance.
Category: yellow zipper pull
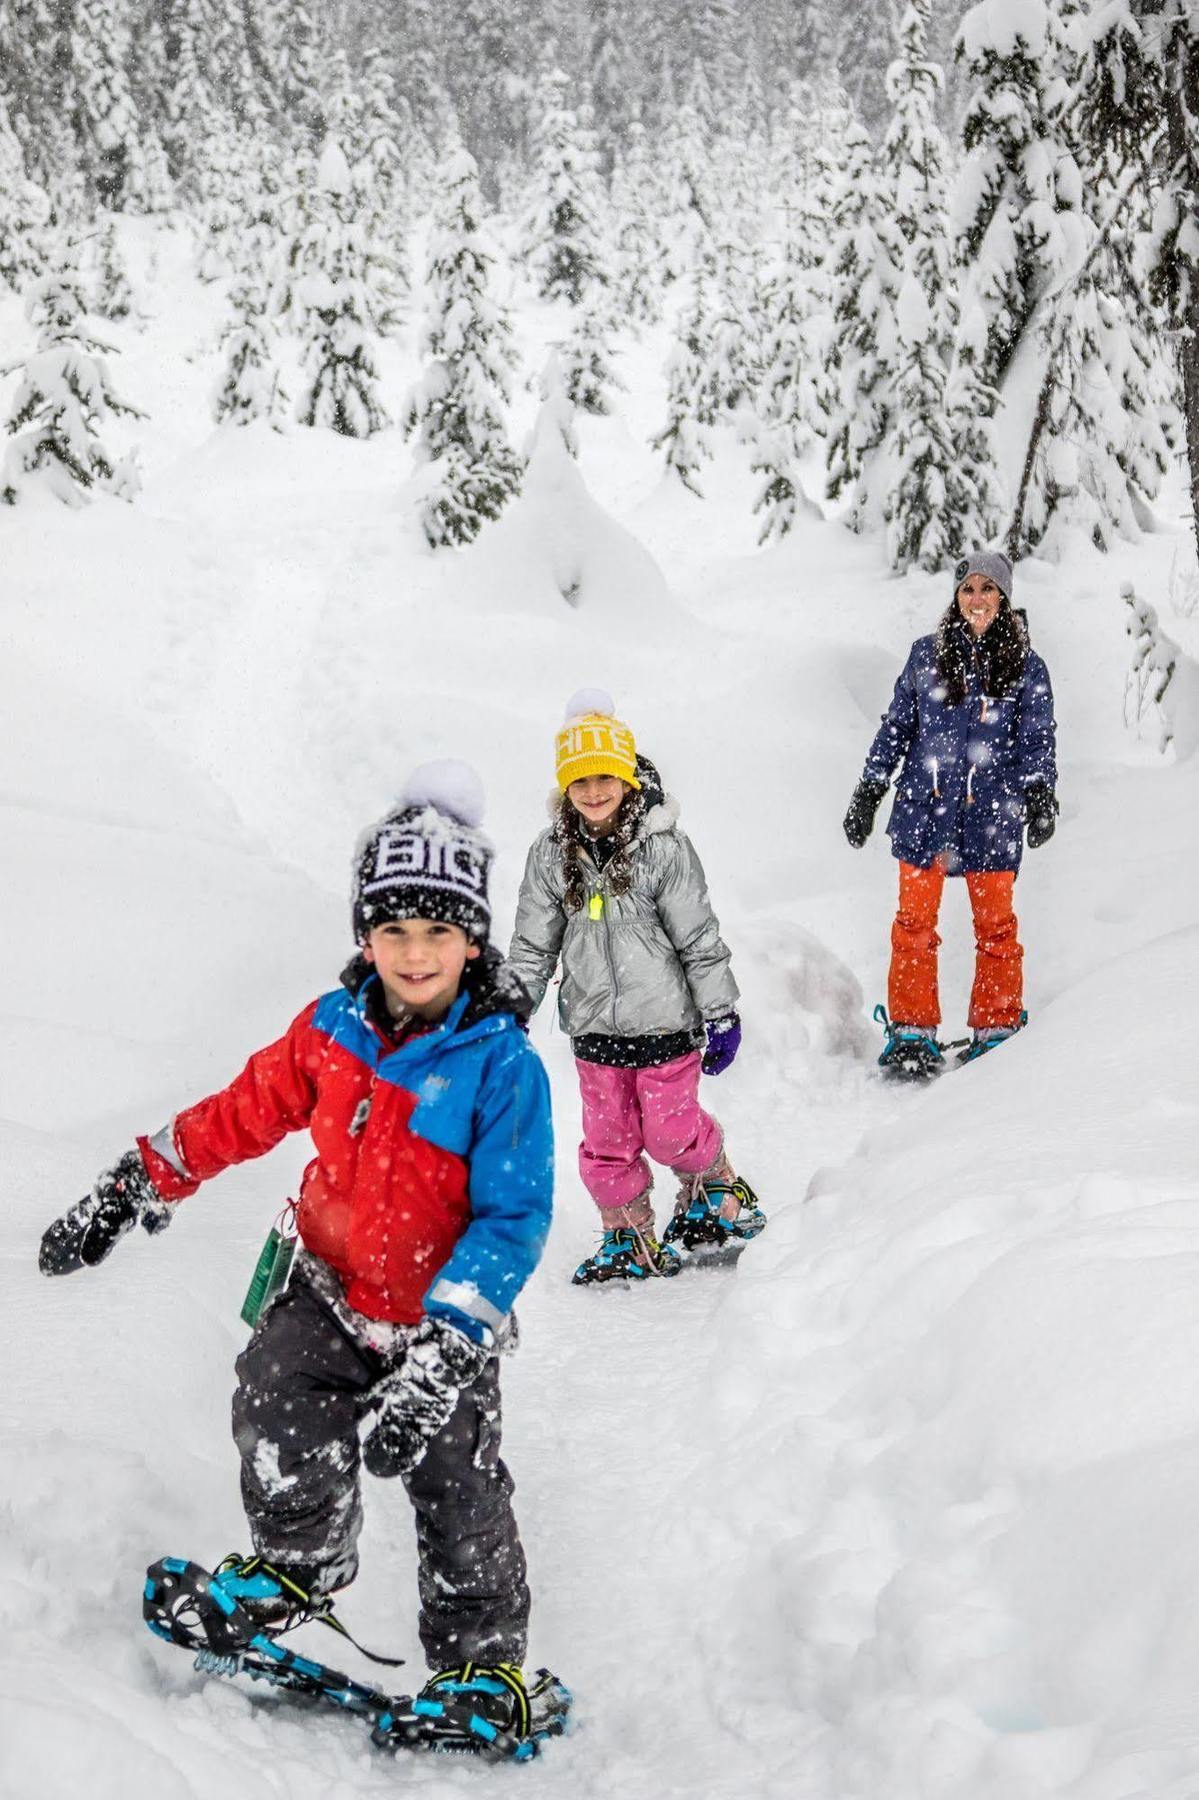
(595, 907)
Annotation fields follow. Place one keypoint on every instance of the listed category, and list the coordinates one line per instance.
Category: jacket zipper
(602, 919)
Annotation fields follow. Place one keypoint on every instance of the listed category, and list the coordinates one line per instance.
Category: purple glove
(724, 1041)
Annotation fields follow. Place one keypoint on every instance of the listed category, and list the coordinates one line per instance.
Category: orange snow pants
(997, 996)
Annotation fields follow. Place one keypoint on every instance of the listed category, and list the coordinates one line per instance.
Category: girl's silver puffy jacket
(648, 961)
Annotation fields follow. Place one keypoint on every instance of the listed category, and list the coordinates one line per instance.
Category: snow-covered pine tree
(854, 394)
(63, 401)
(1015, 207)
(865, 47)
(615, 72)
(792, 307)
(296, 37)
(250, 385)
(563, 230)
(386, 139)
(641, 262)
(224, 184)
(229, 63)
(105, 119)
(24, 210)
(148, 81)
(374, 171)
(586, 357)
(713, 37)
(798, 40)
(112, 297)
(341, 378)
(732, 364)
(937, 500)
(1139, 106)
(470, 470)
(686, 435)
(38, 73)
(343, 107)
(1097, 444)
(188, 99)
(795, 293)
(924, 530)
(690, 205)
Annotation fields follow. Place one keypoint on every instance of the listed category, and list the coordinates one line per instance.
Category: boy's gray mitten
(124, 1196)
(416, 1400)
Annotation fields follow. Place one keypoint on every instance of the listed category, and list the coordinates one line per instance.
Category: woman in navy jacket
(971, 720)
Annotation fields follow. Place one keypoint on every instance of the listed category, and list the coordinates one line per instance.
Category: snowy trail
(904, 1505)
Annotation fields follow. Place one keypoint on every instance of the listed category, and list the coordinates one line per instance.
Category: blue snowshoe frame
(184, 1604)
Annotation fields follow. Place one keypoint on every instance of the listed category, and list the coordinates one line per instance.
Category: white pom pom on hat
(451, 786)
(589, 700)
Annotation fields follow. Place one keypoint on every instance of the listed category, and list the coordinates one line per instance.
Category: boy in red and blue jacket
(421, 1217)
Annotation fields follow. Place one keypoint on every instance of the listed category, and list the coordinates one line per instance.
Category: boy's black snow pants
(303, 1381)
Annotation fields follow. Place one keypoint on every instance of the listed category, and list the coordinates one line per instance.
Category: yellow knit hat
(594, 743)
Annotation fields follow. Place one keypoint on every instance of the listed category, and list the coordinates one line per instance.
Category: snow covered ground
(905, 1505)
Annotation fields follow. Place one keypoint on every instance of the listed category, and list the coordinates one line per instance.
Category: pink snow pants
(629, 1114)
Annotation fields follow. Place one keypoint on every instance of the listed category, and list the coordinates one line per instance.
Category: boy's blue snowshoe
(490, 1711)
(911, 1052)
(699, 1224)
(627, 1255)
(484, 1708)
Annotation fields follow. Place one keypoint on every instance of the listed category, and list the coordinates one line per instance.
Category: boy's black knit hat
(427, 858)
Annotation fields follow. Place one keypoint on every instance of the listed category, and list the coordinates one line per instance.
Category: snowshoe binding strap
(700, 1224)
(486, 1710)
(627, 1255)
(183, 1602)
(303, 1607)
(910, 1052)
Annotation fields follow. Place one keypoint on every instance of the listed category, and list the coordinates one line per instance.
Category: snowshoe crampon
(460, 1716)
(910, 1053)
(701, 1231)
(626, 1255)
(984, 1040)
(185, 1604)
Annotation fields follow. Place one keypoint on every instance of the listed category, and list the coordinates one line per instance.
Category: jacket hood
(490, 983)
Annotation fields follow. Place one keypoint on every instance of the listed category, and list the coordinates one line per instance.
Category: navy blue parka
(960, 793)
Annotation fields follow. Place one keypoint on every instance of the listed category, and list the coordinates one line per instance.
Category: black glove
(124, 1196)
(1040, 813)
(859, 820)
(417, 1399)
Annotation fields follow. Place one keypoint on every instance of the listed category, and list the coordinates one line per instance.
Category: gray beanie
(991, 563)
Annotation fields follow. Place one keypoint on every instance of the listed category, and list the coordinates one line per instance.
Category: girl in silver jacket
(615, 892)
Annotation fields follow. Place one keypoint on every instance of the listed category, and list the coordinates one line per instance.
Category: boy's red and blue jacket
(432, 1185)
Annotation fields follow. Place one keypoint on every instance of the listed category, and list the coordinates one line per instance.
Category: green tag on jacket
(270, 1274)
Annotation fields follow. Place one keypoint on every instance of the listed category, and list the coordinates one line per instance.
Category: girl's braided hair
(1001, 652)
(570, 837)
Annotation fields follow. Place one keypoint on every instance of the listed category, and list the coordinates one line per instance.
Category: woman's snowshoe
(911, 1052)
